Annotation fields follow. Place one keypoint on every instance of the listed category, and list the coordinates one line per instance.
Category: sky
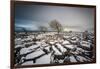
(31, 17)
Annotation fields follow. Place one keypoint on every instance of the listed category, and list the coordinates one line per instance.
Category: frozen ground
(51, 48)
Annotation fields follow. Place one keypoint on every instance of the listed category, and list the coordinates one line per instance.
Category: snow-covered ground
(46, 48)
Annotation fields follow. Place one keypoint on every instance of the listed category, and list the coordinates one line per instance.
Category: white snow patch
(56, 51)
(72, 59)
(28, 63)
(44, 59)
(34, 54)
(70, 46)
(82, 59)
(66, 42)
(17, 46)
(61, 47)
(48, 48)
(24, 51)
(85, 44)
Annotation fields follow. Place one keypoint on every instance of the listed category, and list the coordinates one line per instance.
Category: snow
(44, 45)
(44, 59)
(28, 38)
(33, 46)
(34, 54)
(70, 46)
(61, 61)
(18, 41)
(52, 42)
(74, 38)
(74, 41)
(24, 51)
(39, 37)
(56, 51)
(66, 36)
(72, 59)
(47, 48)
(17, 46)
(65, 42)
(85, 44)
(28, 63)
(80, 50)
(28, 43)
(75, 52)
(61, 47)
(38, 42)
(81, 59)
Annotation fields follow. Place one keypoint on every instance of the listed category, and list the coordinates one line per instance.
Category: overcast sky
(72, 18)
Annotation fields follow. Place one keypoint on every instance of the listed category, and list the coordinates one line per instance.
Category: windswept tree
(43, 28)
(55, 25)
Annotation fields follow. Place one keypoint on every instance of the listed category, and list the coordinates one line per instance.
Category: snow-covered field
(50, 48)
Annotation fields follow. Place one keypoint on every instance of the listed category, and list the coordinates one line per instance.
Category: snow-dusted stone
(55, 41)
(61, 47)
(22, 59)
(44, 59)
(31, 36)
(72, 59)
(28, 38)
(28, 63)
(43, 44)
(24, 51)
(34, 54)
(38, 42)
(56, 51)
(28, 43)
(17, 46)
(80, 50)
(39, 37)
(47, 48)
(81, 59)
(66, 42)
(18, 41)
(51, 42)
(75, 52)
(61, 61)
(22, 40)
(66, 37)
(85, 44)
(33, 47)
(74, 39)
(70, 46)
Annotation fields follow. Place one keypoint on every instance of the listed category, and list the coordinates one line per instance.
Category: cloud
(32, 16)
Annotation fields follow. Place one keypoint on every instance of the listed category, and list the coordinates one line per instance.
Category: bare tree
(43, 28)
(56, 26)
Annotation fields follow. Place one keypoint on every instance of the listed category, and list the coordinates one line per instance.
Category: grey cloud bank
(72, 18)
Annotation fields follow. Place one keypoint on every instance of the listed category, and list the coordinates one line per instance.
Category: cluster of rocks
(58, 48)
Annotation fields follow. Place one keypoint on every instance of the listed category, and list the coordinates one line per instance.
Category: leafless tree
(56, 26)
